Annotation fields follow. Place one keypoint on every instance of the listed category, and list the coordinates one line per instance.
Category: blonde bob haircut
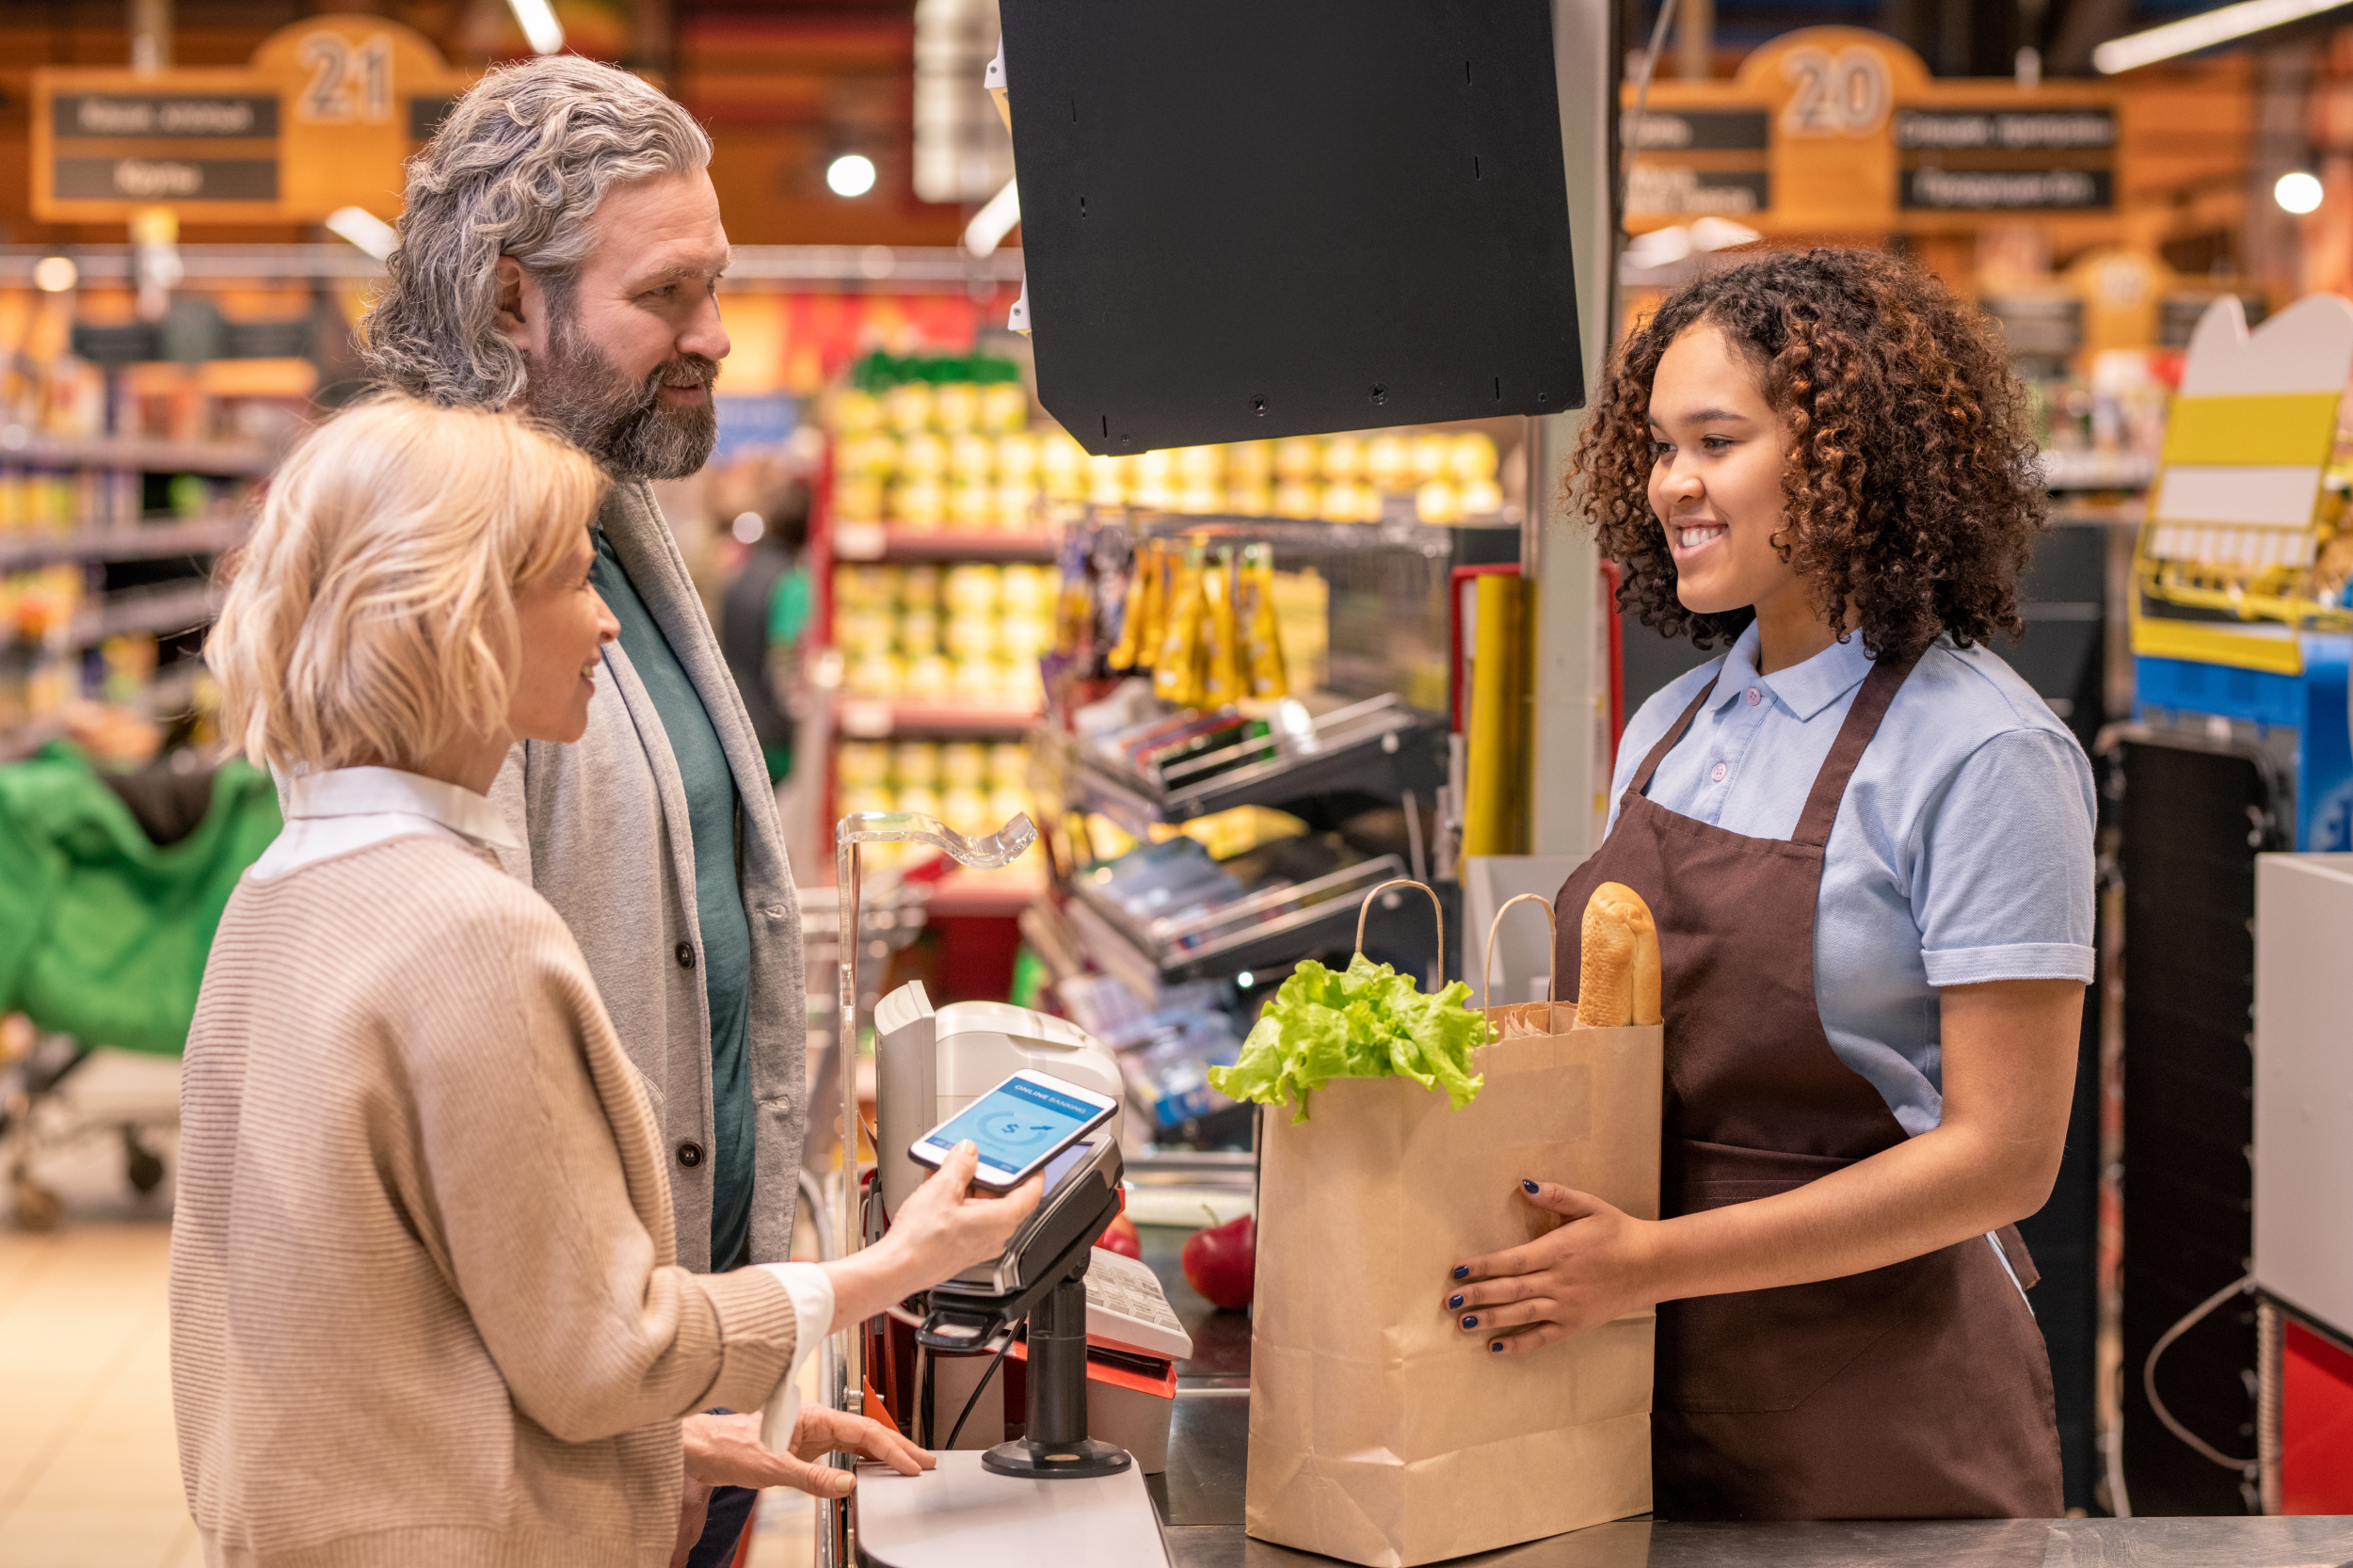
(371, 616)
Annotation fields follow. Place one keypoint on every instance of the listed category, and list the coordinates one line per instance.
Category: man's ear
(522, 314)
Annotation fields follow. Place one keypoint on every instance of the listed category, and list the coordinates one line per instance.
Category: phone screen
(1017, 1122)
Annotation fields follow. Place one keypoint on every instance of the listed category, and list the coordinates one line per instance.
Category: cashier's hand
(724, 1450)
(1598, 1266)
(942, 1229)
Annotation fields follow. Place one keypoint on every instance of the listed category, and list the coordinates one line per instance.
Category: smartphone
(1019, 1126)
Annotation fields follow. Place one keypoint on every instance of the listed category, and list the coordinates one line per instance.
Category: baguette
(1618, 978)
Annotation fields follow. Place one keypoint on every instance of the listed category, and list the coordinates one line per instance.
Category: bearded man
(560, 255)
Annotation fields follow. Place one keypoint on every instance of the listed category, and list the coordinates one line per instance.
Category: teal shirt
(726, 933)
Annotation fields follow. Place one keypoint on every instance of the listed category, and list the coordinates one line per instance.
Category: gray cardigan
(604, 832)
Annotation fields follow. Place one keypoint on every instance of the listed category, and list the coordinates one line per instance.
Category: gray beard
(584, 396)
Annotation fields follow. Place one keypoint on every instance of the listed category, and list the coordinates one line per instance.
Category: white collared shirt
(343, 809)
(346, 808)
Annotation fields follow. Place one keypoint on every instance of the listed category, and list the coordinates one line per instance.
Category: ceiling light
(540, 29)
(2298, 193)
(2203, 31)
(994, 221)
(55, 273)
(364, 229)
(851, 174)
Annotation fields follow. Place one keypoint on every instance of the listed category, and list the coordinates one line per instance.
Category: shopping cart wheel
(36, 1208)
(140, 1164)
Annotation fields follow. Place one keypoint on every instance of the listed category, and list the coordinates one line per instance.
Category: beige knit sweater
(424, 1302)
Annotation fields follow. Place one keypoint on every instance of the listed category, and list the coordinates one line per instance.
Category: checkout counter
(1198, 1500)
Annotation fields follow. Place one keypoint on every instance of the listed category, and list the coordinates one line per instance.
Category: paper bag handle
(1487, 970)
(1365, 910)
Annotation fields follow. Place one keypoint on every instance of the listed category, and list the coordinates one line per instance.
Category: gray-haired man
(560, 253)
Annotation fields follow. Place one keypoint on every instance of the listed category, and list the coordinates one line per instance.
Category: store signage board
(1244, 220)
(1840, 130)
(322, 117)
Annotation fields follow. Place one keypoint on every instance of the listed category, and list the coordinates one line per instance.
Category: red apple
(1120, 1237)
(1222, 1262)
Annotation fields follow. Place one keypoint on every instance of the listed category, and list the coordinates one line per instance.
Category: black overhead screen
(1275, 218)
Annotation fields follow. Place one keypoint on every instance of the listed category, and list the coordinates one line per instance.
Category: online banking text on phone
(1017, 1122)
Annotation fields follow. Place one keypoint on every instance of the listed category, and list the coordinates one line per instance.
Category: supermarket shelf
(870, 719)
(23, 446)
(146, 541)
(1315, 536)
(159, 610)
(873, 541)
(924, 267)
(1378, 747)
(1263, 930)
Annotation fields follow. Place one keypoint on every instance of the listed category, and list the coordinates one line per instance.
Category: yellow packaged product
(1024, 636)
(919, 798)
(920, 585)
(864, 631)
(1297, 459)
(916, 762)
(858, 498)
(1004, 405)
(975, 681)
(1471, 458)
(1139, 611)
(972, 637)
(1261, 629)
(877, 674)
(1250, 500)
(907, 407)
(971, 508)
(874, 455)
(1343, 459)
(1203, 466)
(1020, 685)
(1016, 457)
(1434, 457)
(1023, 588)
(1006, 804)
(972, 460)
(1200, 501)
(1389, 463)
(853, 412)
(929, 679)
(860, 764)
(1106, 481)
(1482, 498)
(1008, 765)
(915, 503)
(1296, 498)
(865, 797)
(955, 407)
(963, 765)
(860, 587)
(965, 811)
(1016, 507)
(970, 589)
(923, 455)
(1438, 502)
(919, 630)
(1061, 464)
(1343, 502)
(1176, 673)
(1221, 679)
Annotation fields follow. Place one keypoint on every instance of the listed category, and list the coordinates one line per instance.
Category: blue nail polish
(1471, 1321)
(1461, 1270)
(1454, 1301)
(1529, 1185)
(1496, 1345)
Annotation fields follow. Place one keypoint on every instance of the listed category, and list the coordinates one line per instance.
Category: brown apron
(1920, 1390)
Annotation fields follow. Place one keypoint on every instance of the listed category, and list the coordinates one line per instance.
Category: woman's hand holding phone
(942, 1229)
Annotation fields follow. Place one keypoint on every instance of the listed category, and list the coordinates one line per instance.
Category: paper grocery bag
(1381, 1433)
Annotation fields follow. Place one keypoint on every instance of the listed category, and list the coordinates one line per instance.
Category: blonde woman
(425, 1302)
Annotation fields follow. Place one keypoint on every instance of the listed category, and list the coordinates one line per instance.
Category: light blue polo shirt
(1962, 849)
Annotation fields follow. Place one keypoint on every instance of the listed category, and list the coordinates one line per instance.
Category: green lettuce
(1369, 1021)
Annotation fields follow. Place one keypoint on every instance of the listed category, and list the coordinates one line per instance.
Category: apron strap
(1640, 782)
(1862, 721)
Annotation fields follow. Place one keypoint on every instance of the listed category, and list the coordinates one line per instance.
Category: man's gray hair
(517, 169)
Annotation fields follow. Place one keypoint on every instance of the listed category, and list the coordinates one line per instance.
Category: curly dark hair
(1911, 494)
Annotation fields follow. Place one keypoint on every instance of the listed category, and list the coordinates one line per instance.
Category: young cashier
(1869, 847)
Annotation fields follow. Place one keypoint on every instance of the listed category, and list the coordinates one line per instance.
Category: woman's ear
(521, 315)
